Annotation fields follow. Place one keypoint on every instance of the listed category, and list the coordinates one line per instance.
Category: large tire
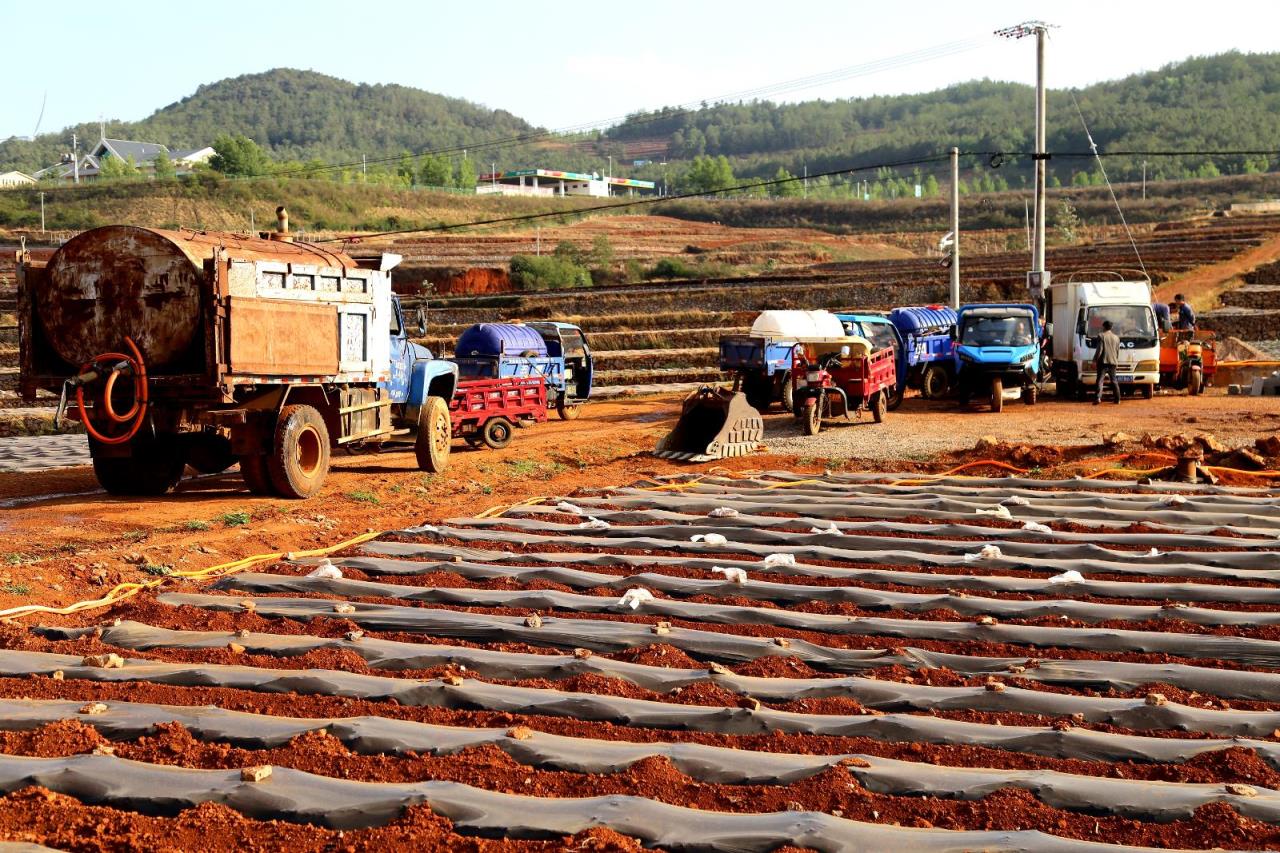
(812, 420)
(1195, 381)
(787, 392)
(933, 386)
(997, 394)
(1066, 389)
(1030, 394)
(208, 452)
(253, 470)
(1148, 391)
(435, 436)
(497, 433)
(153, 468)
(566, 411)
(299, 458)
(896, 395)
(879, 405)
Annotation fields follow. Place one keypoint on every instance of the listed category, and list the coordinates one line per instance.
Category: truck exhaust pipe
(282, 225)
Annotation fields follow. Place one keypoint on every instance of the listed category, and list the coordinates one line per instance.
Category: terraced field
(680, 323)
(780, 661)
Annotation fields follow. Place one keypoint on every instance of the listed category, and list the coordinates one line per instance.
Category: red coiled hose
(137, 412)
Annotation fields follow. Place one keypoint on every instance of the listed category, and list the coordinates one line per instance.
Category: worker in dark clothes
(1106, 359)
(1183, 316)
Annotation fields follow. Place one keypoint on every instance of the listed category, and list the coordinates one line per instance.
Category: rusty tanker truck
(179, 348)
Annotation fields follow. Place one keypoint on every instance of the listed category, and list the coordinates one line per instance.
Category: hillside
(296, 115)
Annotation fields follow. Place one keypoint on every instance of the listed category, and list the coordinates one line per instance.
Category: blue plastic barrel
(930, 320)
(499, 340)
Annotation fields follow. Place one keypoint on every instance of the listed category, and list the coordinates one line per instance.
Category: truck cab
(997, 345)
(1078, 309)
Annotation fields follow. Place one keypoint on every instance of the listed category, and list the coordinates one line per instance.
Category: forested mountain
(1230, 101)
(294, 115)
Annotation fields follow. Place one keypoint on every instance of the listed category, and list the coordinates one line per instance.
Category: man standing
(1106, 359)
(1183, 316)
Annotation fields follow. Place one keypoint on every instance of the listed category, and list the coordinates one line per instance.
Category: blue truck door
(401, 356)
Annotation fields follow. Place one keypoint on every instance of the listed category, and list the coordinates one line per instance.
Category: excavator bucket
(714, 423)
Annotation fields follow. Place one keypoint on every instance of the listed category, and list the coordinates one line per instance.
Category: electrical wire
(1103, 169)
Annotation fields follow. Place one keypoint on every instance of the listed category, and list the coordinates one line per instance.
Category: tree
(466, 179)
(406, 171)
(238, 155)
(790, 189)
(930, 186)
(708, 175)
(436, 171)
(163, 167)
(112, 168)
(1067, 222)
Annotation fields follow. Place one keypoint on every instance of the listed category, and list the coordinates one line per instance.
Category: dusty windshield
(997, 331)
(1133, 323)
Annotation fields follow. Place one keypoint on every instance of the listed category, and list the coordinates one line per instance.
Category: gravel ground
(920, 429)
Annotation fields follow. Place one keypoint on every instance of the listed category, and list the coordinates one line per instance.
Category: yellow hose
(123, 591)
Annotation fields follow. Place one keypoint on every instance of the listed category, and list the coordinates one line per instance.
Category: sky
(563, 64)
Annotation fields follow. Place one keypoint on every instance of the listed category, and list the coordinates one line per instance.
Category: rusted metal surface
(281, 338)
(145, 283)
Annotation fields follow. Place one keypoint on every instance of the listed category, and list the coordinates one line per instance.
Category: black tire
(153, 468)
(933, 386)
(208, 452)
(497, 433)
(566, 411)
(1066, 389)
(1148, 391)
(1195, 382)
(435, 436)
(299, 459)
(879, 406)
(253, 470)
(812, 420)
(997, 394)
(787, 392)
(1030, 395)
(896, 395)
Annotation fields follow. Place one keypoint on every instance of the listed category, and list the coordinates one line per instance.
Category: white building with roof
(15, 180)
(142, 154)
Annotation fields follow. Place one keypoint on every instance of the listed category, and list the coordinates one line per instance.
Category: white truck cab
(1078, 311)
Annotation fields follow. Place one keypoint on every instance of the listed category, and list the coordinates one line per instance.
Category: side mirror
(844, 351)
(422, 322)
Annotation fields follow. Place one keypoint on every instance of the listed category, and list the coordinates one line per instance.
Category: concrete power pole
(75, 159)
(41, 213)
(955, 228)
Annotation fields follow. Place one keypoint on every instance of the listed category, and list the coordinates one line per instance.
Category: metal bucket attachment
(714, 423)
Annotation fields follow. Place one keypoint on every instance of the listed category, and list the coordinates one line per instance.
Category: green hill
(295, 115)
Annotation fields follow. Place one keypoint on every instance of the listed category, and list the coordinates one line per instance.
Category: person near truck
(1183, 316)
(1106, 359)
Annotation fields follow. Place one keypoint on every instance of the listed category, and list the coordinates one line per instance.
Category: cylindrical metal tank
(145, 283)
(496, 340)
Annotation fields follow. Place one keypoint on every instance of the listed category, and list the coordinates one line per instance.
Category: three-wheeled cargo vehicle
(488, 410)
(842, 377)
(181, 348)
(997, 346)
(558, 352)
(760, 361)
(882, 333)
(927, 364)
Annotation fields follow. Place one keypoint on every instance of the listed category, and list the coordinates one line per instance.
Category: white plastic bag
(1154, 552)
(593, 523)
(709, 539)
(1174, 500)
(738, 576)
(1015, 500)
(326, 569)
(1036, 527)
(774, 560)
(832, 530)
(634, 597)
(1000, 511)
(988, 552)
(1069, 576)
(723, 512)
(572, 509)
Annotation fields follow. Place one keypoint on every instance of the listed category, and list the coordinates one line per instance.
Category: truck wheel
(879, 406)
(497, 433)
(1148, 391)
(812, 416)
(997, 394)
(435, 436)
(1030, 394)
(208, 452)
(299, 458)
(934, 384)
(566, 411)
(253, 470)
(788, 393)
(154, 467)
(896, 395)
(1195, 381)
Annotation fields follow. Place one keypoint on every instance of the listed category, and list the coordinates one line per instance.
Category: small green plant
(136, 535)
(158, 569)
(17, 558)
(16, 589)
(364, 497)
(238, 518)
(197, 524)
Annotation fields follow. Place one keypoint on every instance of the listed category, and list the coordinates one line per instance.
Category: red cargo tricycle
(841, 378)
(488, 410)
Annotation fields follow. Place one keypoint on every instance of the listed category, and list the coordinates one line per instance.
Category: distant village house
(142, 154)
(15, 180)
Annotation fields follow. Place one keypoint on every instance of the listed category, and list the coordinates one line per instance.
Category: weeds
(17, 558)
(533, 468)
(136, 535)
(160, 569)
(16, 589)
(238, 518)
(197, 524)
(364, 497)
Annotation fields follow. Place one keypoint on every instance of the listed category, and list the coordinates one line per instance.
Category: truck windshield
(1131, 322)
(997, 331)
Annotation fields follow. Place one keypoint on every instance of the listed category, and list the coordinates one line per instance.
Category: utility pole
(806, 180)
(493, 176)
(42, 213)
(364, 165)
(955, 228)
(1037, 278)
(1144, 180)
(75, 159)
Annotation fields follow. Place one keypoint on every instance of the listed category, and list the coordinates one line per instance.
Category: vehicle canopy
(876, 328)
(563, 340)
(500, 340)
(923, 320)
(797, 325)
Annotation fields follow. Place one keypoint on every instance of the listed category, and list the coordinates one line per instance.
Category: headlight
(1148, 366)
(813, 376)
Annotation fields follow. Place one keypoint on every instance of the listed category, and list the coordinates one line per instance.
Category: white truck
(1078, 309)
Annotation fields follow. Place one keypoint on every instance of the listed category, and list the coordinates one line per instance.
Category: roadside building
(549, 182)
(15, 180)
(142, 154)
